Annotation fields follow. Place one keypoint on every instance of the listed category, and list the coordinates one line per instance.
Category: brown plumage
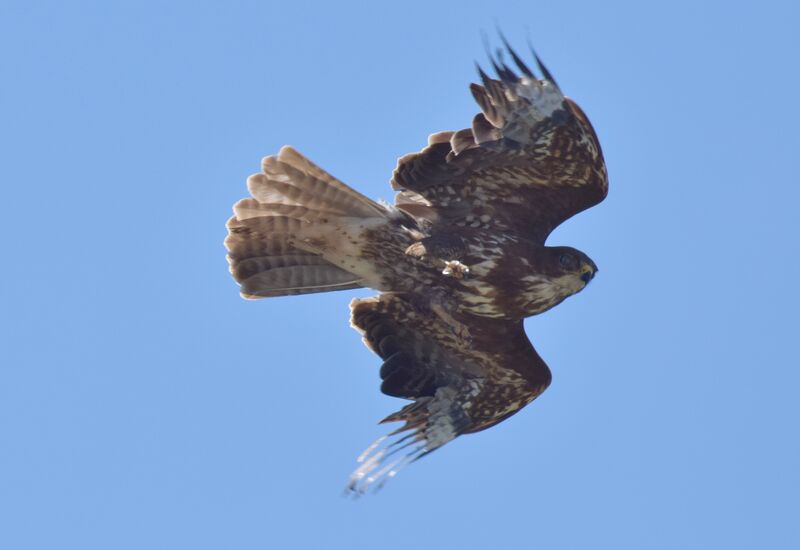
(460, 258)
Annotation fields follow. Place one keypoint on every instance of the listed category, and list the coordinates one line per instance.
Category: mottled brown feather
(528, 169)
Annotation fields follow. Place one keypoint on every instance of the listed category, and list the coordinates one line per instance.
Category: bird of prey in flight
(459, 259)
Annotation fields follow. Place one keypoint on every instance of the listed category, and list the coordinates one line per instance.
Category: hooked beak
(587, 273)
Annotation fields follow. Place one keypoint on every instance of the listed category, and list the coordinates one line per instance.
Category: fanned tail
(283, 239)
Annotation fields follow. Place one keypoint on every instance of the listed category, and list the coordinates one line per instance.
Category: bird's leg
(444, 252)
(455, 269)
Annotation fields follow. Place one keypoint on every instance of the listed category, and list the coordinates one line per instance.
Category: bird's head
(558, 273)
(571, 268)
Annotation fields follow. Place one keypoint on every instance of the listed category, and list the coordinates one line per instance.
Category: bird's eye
(565, 260)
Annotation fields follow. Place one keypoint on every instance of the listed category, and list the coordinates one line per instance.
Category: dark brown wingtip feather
(507, 71)
(503, 72)
(481, 96)
(547, 74)
(484, 77)
(517, 59)
(506, 75)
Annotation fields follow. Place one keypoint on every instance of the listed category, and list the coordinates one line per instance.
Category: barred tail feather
(281, 241)
(291, 179)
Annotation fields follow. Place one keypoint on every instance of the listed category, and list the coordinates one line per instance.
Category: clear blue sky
(143, 404)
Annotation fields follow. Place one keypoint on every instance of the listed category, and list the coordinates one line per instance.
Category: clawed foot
(434, 250)
(455, 269)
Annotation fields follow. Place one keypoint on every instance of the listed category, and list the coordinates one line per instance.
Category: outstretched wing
(456, 388)
(530, 161)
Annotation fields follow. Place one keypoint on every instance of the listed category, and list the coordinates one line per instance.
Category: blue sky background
(143, 404)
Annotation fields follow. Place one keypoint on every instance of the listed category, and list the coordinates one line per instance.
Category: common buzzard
(460, 258)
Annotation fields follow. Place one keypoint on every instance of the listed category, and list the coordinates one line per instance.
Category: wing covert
(457, 386)
(530, 161)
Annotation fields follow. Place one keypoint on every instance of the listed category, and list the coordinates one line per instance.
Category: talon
(455, 269)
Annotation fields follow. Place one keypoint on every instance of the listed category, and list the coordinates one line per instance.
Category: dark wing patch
(417, 349)
(457, 387)
(530, 160)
